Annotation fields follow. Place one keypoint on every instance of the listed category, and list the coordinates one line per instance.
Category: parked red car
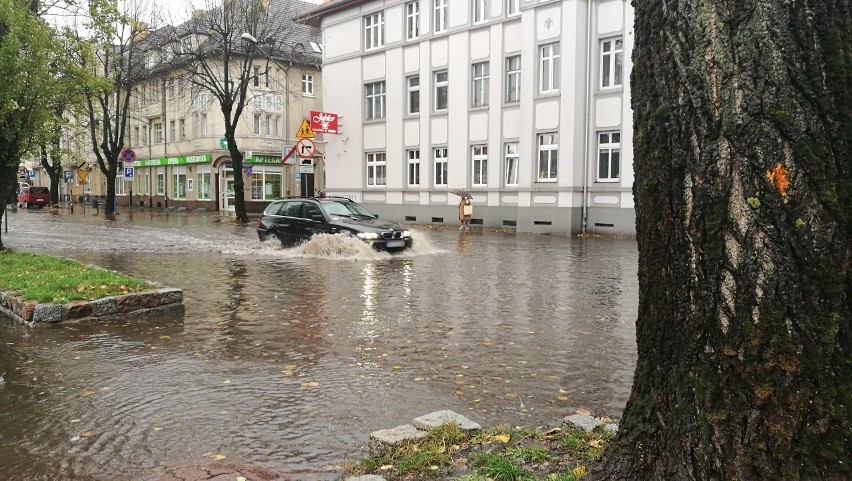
(38, 196)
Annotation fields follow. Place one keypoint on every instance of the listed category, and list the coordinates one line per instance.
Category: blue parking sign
(128, 172)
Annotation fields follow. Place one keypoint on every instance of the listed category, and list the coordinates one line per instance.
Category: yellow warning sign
(82, 175)
(305, 131)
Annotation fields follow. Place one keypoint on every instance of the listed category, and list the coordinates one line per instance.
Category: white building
(523, 103)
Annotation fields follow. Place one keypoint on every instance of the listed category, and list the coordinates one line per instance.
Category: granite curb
(112, 307)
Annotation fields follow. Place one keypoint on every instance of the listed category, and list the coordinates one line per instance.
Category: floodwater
(287, 359)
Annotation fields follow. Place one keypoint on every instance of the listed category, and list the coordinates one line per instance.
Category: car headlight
(406, 233)
(368, 235)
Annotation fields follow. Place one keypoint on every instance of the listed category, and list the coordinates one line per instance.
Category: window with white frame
(375, 100)
(203, 186)
(202, 124)
(266, 184)
(267, 127)
(135, 136)
(441, 166)
(513, 7)
(612, 62)
(549, 68)
(479, 84)
(276, 129)
(413, 87)
(442, 82)
(512, 158)
(144, 138)
(374, 31)
(609, 156)
(161, 183)
(548, 156)
(412, 20)
(255, 79)
(158, 132)
(439, 23)
(172, 130)
(179, 183)
(479, 10)
(141, 182)
(513, 78)
(413, 168)
(171, 88)
(307, 84)
(376, 168)
(256, 124)
(479, 158)
(119, 183)
(182, 128)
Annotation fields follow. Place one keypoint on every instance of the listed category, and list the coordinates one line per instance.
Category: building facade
(522, 103)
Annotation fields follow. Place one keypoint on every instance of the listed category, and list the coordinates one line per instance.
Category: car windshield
(345, 209)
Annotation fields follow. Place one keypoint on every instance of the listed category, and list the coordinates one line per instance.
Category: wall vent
(542, 222)
(437, 220)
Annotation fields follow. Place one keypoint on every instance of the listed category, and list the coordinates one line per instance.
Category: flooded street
(288, 358)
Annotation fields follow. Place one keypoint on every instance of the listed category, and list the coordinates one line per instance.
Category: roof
(314, 17)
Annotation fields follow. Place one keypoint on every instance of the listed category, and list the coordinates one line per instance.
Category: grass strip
(57, 280)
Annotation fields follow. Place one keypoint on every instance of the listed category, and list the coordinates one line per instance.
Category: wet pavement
(286, 359)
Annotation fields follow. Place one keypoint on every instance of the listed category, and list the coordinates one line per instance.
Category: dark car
(33, 195)
(294, 220)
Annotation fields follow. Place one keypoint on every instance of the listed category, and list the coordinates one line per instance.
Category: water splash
(338, 247)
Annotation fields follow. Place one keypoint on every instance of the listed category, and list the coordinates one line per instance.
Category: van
(33, 195)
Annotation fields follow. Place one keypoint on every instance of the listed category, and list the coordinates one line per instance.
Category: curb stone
(385, 440)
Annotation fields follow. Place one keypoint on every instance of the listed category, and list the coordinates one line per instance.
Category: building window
(255, 79)
(256, 125)
(375, 97)
(612, 62)
(479, 84)
(513, 7)
(182, 128)
(119, 183)
(144, 135)
(479, 14)
(512, 158)
(480, 164)
(441, 85)
(161, 183)
(549, 68)
(513, 79)
(179, 184)
(441, 166)
(267, 128)
(203, 186)
(172, 130)
(548, 156)
(609, 156)
(277, 130)
(171, 88)
(413, 167)
(307, 84)
(158, 132)
(266, 185)
(135, 136)
(412, 20)
(440, 21)
(376, 166)
(374, 31)
(202, 125)
(142, 187)
(413, 86)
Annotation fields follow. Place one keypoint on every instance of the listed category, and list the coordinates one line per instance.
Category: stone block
(77, 310)
(610, 428)
(27, 309)
(104, 307)
(170, 296)
(45, 312)
(437, 418)
(384, 440)
(586, 423)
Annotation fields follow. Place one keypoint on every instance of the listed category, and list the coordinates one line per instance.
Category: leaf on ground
(88, 393)
(219, 457)
(385, 467)
(562, 398)
(287, 372)
(87, 434)
(310, 384)
(584, 412)
(596, 443)
(503, 438)
(579, 471)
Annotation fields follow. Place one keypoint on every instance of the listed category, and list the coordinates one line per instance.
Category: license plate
(396, 243)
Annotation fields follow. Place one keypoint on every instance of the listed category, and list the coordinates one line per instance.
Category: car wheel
(273, 237)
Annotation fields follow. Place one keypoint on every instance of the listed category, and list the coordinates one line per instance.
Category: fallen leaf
(165, 337)
(88, 393)
(579, 471)
(241, 478)
(226, 381)
(310, 384)
(596, 443)
(287, 372)
(87, 434)
(158, 429)
(503, 438)
(385, 467)
(562, 398)
(584, 412)
(75, 420)
(219, 457)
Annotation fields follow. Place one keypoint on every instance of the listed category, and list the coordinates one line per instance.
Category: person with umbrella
(465, 209)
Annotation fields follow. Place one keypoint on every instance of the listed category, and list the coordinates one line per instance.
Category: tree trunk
(743, 118)
(53, 171)
(239, 183)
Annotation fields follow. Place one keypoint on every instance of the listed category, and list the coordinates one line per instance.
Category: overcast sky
(178, 10)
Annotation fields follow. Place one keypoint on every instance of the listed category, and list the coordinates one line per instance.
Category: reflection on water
(288, 358)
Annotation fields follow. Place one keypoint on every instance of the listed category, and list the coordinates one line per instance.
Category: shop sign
(191, 159)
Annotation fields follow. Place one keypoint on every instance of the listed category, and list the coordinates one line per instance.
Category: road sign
(298, 176)
(82, 175)
(306, 148)
(69, 176)
(223, 142)
(325, 122)
(22, 171)
(305, 131)
(128, 173)
(31, 174)
(128, 155)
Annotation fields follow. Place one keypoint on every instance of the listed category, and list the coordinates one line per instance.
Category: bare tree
(743, 148)
(233, 46)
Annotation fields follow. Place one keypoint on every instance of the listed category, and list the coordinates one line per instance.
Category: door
(227, 190)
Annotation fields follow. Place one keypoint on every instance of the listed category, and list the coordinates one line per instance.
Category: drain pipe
(588, 117)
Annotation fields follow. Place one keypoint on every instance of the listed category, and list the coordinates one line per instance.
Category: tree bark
(743, 131)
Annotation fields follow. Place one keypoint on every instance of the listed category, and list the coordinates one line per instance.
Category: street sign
(223, 142)
(82, 175)
(69, 176)
(128, 173)
(31, 174)
(325, 122)
(298, 176)
(305, 131)
(128, 155)
(306, 148)
(22, 171)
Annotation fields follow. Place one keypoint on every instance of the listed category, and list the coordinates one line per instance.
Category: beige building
(176, 130)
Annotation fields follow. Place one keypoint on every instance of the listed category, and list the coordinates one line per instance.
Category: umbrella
(462, 193)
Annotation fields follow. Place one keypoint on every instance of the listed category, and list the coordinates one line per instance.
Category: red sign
(324, 122)
(127, 155)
